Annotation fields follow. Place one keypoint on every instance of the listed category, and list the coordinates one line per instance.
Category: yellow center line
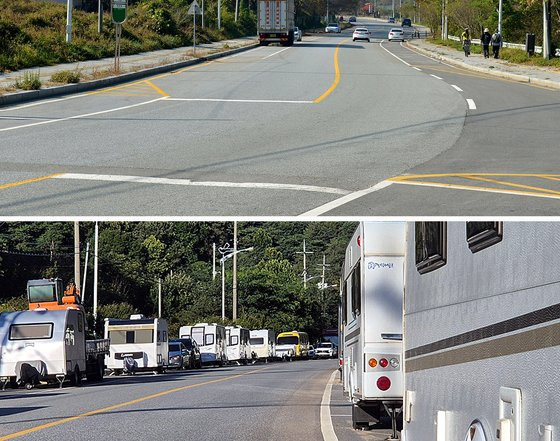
(29, 181)
(117, 406)
(512, 184)
(334, 84)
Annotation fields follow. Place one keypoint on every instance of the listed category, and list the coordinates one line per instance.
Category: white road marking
(417, 68)
(426, 56)
(327, 428)
(244, 52)
(220, 100)
(436, 77)
(277, 52)
(188, 182)
(48, 101)
(471, 104)
(345, 199)
(457, 88)
(84, 115)
(391, 53)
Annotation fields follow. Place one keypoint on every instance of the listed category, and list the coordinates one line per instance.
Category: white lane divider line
(457, 88)
(84, 115)
(220, 100)
(391, 53)
(472, 105)
(436, 77)
(417, 68)
(322, 209)
(188, 182)
(327, 428)
(245, 52)
(277, 52)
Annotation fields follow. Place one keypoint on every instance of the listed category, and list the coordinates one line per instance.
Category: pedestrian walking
(496, 41)
(485, 39)
(466, 40)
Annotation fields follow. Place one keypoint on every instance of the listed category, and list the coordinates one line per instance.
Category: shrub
(29, 81)
(66, 76)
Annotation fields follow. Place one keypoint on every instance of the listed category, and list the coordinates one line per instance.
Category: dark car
(352, 20)
(407, 22)
(179, 356)
(194, 352)
(391, 20)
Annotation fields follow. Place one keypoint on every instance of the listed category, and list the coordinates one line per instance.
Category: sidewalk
(94, 69)
(542, 76)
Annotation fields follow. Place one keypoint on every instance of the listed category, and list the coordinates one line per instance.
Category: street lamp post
(227, 253)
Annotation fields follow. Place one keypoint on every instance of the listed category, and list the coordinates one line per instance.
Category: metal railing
(538, 49)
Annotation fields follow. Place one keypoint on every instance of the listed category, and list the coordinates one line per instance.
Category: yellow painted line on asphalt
(466, 175)
(336, 81)
(29, 181)
(513, 184)
(156, 88)
(118, 406)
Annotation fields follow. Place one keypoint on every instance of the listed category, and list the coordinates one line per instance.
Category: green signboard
(118, 10)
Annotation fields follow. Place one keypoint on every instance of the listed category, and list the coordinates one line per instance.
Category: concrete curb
(497, 73)
(31, 95)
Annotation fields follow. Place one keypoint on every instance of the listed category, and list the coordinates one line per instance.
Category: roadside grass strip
(118, 406)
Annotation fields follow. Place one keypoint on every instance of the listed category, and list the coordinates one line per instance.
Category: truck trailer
(276, 22)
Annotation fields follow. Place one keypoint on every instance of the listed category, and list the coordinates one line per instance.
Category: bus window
(288, 340)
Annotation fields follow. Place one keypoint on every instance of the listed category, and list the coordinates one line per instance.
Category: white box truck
(275, 22)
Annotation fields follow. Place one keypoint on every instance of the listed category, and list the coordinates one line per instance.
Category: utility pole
(77, 280)
(95, 275)
(99, 16)
(219, 14)
(236, 9)
(69, 7)
(305, 253)
(547, 34)
(234, 302)
(83, 290)
(159, 297)
(500, 17)
(393, 8)
(323, 284)
(214, 261)
(202, 18)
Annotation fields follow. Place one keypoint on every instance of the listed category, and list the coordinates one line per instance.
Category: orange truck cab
(49, 294)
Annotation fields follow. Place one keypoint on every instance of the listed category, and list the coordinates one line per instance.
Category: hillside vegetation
(134, 255)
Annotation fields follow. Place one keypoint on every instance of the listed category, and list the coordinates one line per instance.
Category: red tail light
(383, 383)
(383, 362)
(340, 361)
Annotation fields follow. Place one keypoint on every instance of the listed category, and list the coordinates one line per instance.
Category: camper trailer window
(198, 335)
(42, 293)
(164, 336)
(256, 341)
(357, 288)
(117, 337)
(209, 339)
(234, 340)
(130, 337)
(33, 331)
(144, 336)
(431, 245)
(481, 235)
(343, 307)
(158, 336)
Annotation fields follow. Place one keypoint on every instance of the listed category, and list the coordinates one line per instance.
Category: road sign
(194, 9)
(119, 11)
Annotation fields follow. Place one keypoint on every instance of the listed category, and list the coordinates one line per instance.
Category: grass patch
(66, 77)
(29, 81)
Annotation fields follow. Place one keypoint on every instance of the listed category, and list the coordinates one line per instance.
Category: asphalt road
(277, 131)
(277, 401)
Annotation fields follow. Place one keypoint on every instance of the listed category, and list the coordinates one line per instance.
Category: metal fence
(538, 49)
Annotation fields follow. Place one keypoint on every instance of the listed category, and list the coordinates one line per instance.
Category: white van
(137, 344)
(211, 339)
(372, 310)
(238, 346)
(263, 343)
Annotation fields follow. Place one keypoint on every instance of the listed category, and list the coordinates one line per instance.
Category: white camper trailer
(48, 345)
(138, 344)
(482, 331)
(372, 295)
(263, 344)
(238, 346)
(211, 339)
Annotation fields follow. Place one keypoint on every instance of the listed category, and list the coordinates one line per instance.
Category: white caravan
(372, 296)
(263, 344)
(137, 344)
(211, 339)
(48, 345)
(482, 331)
(238, 346)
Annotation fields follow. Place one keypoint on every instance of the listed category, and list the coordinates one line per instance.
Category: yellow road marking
(117, 406)
(512, 184)
(29, 181)
(156, 88)
(467, 175)
(334, 84)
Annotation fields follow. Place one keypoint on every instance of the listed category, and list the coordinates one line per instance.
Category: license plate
(273, 35)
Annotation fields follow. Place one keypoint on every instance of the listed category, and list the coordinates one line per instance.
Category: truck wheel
(263, 43)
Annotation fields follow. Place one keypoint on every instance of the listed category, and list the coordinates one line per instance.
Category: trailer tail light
(372, 362)
(383, 383)
(383, 362)
(394, 363)
(340, 361)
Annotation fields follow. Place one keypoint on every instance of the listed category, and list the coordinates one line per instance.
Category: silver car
(332, 27)
(396, 34)
(297, 34)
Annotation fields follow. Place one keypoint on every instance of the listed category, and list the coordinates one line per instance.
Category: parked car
(352, 20)
(297, 34)
(325, 350)
(396, 34)
(194, 351)
(311, 352)
(332, 27)
(361, 34)
(407, 22)
(391, 20)
(179, 356)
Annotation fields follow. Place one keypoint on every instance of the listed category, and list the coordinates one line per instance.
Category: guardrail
(538, 49)
(417, 34)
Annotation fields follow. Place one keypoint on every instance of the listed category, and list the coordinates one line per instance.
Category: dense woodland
(133, 256)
